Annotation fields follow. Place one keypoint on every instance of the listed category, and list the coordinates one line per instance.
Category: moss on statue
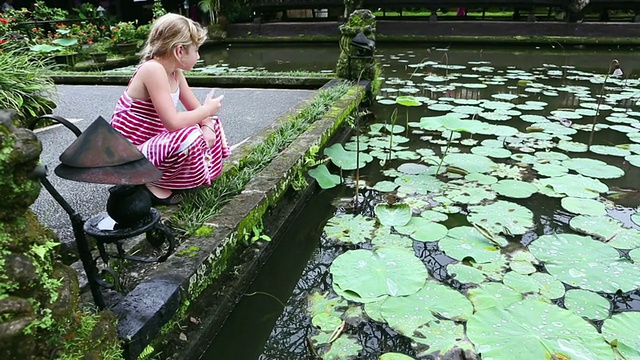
(40, 313)
(354, 64)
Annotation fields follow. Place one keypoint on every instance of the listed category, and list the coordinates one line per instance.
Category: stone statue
(357, 63)
(40, 314)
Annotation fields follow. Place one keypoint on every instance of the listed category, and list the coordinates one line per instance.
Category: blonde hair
(170, 31)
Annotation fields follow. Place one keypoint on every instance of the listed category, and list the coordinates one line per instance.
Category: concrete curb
(164, 299)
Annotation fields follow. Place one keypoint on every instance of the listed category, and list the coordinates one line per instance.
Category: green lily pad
(383, 271)
(622, 331)
(407, 100)
(465, 273)
(471, 163)
(326, 321)
(385, 186)
(406, 313)
(434, 216)
(395, 356)
(422, 229)
(464, 242)
(514, 188)
(441, 337)
(587, 304)
(413, 168)
(481, 179)
(583, 206)
(418, 184)
(593, 168)
(384, 237)
(538, 329)
(470, 195)
(608, 230)
(350, 228)
(550, 169)
(572, 146)
(346, 160)
(583, 262)
(609, 150)
(325, 179)
(633, 159)
(501, 215)
(393, 215)
(575, 186)
(494, 152)
(522, 262)
(492, 294)
(343, 348)
(549, 286)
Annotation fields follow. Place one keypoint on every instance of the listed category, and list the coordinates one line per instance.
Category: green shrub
(24, 84)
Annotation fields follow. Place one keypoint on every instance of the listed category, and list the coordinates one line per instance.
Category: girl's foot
(162, 196)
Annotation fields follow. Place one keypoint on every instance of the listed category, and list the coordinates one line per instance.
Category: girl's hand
(209, 134)
(212, 104)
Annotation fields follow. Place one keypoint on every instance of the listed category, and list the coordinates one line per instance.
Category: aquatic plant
(504, 268)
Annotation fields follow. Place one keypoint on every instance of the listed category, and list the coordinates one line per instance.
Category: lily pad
(395, 356)
(350, 228)
(490, 151)
(575, 186)
(622, 330)
(583, 206)
(593, 168)
(538, 329)
(502, 216)
(464, 242)
(325, 179)
(393, 215)
(346, 160)
(345, 347)
(550, 169)
(587, 304)
(422, 229)
(493, 294)
(514, 188)
(383, 271)
(471, 163)
(441, 337)
(407, 313)
(583, 262)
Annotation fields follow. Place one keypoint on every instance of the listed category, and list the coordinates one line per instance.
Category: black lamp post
(101, 155)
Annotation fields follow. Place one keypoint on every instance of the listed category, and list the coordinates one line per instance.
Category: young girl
(186, 146)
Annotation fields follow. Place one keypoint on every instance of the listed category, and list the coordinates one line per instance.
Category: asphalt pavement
(244, 113)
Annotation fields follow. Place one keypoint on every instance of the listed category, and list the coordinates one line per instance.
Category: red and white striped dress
(182, 155)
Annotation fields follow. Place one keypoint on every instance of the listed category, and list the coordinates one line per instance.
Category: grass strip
(200, 206)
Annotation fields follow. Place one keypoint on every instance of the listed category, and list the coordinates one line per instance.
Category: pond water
(492, 216)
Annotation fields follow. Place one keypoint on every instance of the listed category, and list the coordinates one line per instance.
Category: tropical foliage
(24, 83)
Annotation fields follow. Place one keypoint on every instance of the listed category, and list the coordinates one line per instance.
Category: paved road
(245, 112)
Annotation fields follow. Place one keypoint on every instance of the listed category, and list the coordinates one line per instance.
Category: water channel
(532, 110)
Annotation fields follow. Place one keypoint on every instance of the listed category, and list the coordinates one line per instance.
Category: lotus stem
(394, 117)
(445, 152)
(613, 63)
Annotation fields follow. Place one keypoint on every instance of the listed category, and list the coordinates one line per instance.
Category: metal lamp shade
(101, 155)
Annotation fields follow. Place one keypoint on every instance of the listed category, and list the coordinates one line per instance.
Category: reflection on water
(552, 100)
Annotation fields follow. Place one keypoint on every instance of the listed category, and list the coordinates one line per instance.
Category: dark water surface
(260, 328)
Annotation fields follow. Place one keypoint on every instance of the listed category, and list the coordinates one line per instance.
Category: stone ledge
(164, 298)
